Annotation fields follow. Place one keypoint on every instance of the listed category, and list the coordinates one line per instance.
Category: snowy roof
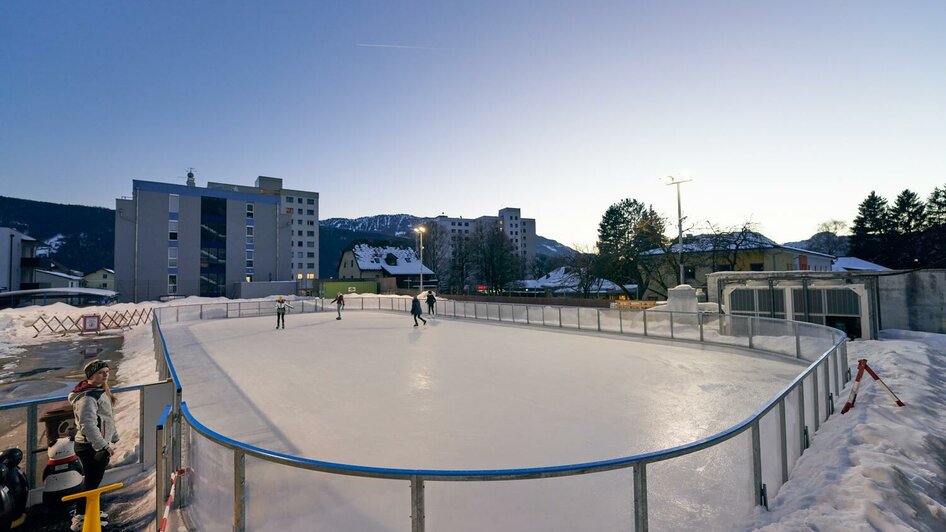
(729, 242)
(563, 280)
(60, 274)
(390, 259)
(854, 264)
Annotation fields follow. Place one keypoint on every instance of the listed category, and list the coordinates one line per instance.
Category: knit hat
(94, 367)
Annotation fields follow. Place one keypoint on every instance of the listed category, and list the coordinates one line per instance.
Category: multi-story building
(519, 231)
(18, 260)
(185, 240)
(103, 278)
(303, 210)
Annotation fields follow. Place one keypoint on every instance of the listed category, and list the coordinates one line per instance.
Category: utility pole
(671, 180)
(420, 231)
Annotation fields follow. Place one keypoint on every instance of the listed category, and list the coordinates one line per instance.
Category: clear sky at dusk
(787, 113)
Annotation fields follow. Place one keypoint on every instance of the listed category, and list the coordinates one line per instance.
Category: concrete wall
(914, 300)
(255, 289)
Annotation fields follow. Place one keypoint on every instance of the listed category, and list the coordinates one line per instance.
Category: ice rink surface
(371, 389)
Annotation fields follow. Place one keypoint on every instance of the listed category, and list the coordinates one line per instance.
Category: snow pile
(878, 467)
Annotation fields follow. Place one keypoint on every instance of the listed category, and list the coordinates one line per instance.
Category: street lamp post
(420, 231)
(671, 180)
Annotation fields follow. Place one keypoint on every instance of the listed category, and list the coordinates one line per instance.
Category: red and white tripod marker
(861, 366)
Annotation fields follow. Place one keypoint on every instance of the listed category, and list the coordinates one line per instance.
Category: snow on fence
(109, 320)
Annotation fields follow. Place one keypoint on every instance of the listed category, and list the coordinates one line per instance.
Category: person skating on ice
(339, 304)
(431, 301)
(416, 311)
(281, 306)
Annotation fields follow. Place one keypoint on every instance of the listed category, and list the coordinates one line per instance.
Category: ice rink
(371, 389)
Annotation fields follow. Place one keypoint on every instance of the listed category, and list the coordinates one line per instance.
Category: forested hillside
(82, 238)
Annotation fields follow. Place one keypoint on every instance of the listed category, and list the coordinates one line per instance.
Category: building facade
(103, 278)
(182, 240)
(380, 263)
(519, 231)
(18, 260)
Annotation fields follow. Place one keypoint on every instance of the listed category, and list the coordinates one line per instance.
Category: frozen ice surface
(373, 390)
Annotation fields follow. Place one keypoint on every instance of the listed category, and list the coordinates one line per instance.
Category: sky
(785, 114)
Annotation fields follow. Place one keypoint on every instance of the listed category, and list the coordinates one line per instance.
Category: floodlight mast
(671, 180)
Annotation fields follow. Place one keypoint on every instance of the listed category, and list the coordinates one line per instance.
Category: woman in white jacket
(92, 401)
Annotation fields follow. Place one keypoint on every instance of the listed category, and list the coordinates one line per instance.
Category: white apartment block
(519, 231)
(303, 210)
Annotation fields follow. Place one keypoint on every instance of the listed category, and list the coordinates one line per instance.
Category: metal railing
(777, 432)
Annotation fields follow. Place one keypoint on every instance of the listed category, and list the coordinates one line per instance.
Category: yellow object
(19, 521)
(93, 520)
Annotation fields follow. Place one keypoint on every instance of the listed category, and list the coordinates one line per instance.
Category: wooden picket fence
(107, 320)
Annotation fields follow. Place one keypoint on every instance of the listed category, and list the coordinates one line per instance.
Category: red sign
(90, 323)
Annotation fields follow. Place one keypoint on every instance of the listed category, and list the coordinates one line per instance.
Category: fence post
(599, 319)
(177, 313)
(560, 317)
(827, 387)
(844, 365)
(239, 490)
(671, 325)
(783, 438)
(475, 316)
(417, 504)
(801, 417)
(757, 463)
(32, 431)
(814, 397)
(749, 323)
(837, 371)
(699, 319)
(645, 321)
(528, 321)
(640, 497)
(797, 340)
(201, 312)
(141, 425)
(620, 321)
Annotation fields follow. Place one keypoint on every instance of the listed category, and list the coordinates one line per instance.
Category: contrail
(366, 45)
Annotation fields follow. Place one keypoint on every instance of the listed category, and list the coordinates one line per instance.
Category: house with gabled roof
(376, 263)
(733, 251)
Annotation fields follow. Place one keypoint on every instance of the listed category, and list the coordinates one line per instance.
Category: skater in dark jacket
(431, 301)
(339, 304)
(416, 311)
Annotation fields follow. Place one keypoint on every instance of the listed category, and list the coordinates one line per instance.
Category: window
(249, 234)
(310, 233)
(310, 255)
(310, 223)
(298, 211)
(174, 203)
(300, 243)
(249, 258)
(249, 278)
(172, 257)
(299, 222)
(299, 254)
(310, 244)
(298, 276)
(288, 210)
(172, 229)
(310, 276)
(755, 267)
(289, 199)
(104, 276)
(299, 265)
(249, 210)
(172, 283)
(299, 232)
(310, 265)
(310, 212)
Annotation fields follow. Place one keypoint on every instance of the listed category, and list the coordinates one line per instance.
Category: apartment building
(181, 240)
(18, 260)
(519, 231)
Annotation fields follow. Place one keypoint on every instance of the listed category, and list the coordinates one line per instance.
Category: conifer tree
(627, 229)
(871, 229)
(908, 214)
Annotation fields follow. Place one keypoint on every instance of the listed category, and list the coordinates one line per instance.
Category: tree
(582, 268)
(462, 261)
(936, 207)
(436, 250)
(871, 229)
(828, 239)
(497, 262)
(627, 229)
(727, 244)
(908, 214)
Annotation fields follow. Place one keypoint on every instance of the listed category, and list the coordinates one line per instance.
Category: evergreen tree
(871, 229)
(627, 229)
(936, 207)
(908, 214)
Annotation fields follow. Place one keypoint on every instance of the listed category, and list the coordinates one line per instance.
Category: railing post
(801, 417)
(417, 504)
(640, 497)
(201, 312)
(837, 371)
(699, 319)
(620, 321)
(599, 319)
(578, 315)
(528, 320)
(671, 325)
(844, 365)
(239, 490)
(475, 316)
(560, 317)
(797, 340)
(141, 425)
(159, 472)
(749, 324)
(644, 312)
(814, 397)
(783, 438)
(827, 387)
(757, 462)
(32, 431)
(177, 313)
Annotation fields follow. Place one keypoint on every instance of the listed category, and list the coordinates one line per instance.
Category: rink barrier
(827, 355)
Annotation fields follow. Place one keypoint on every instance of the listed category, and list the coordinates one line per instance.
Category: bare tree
(583, 269)
(437, 250)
